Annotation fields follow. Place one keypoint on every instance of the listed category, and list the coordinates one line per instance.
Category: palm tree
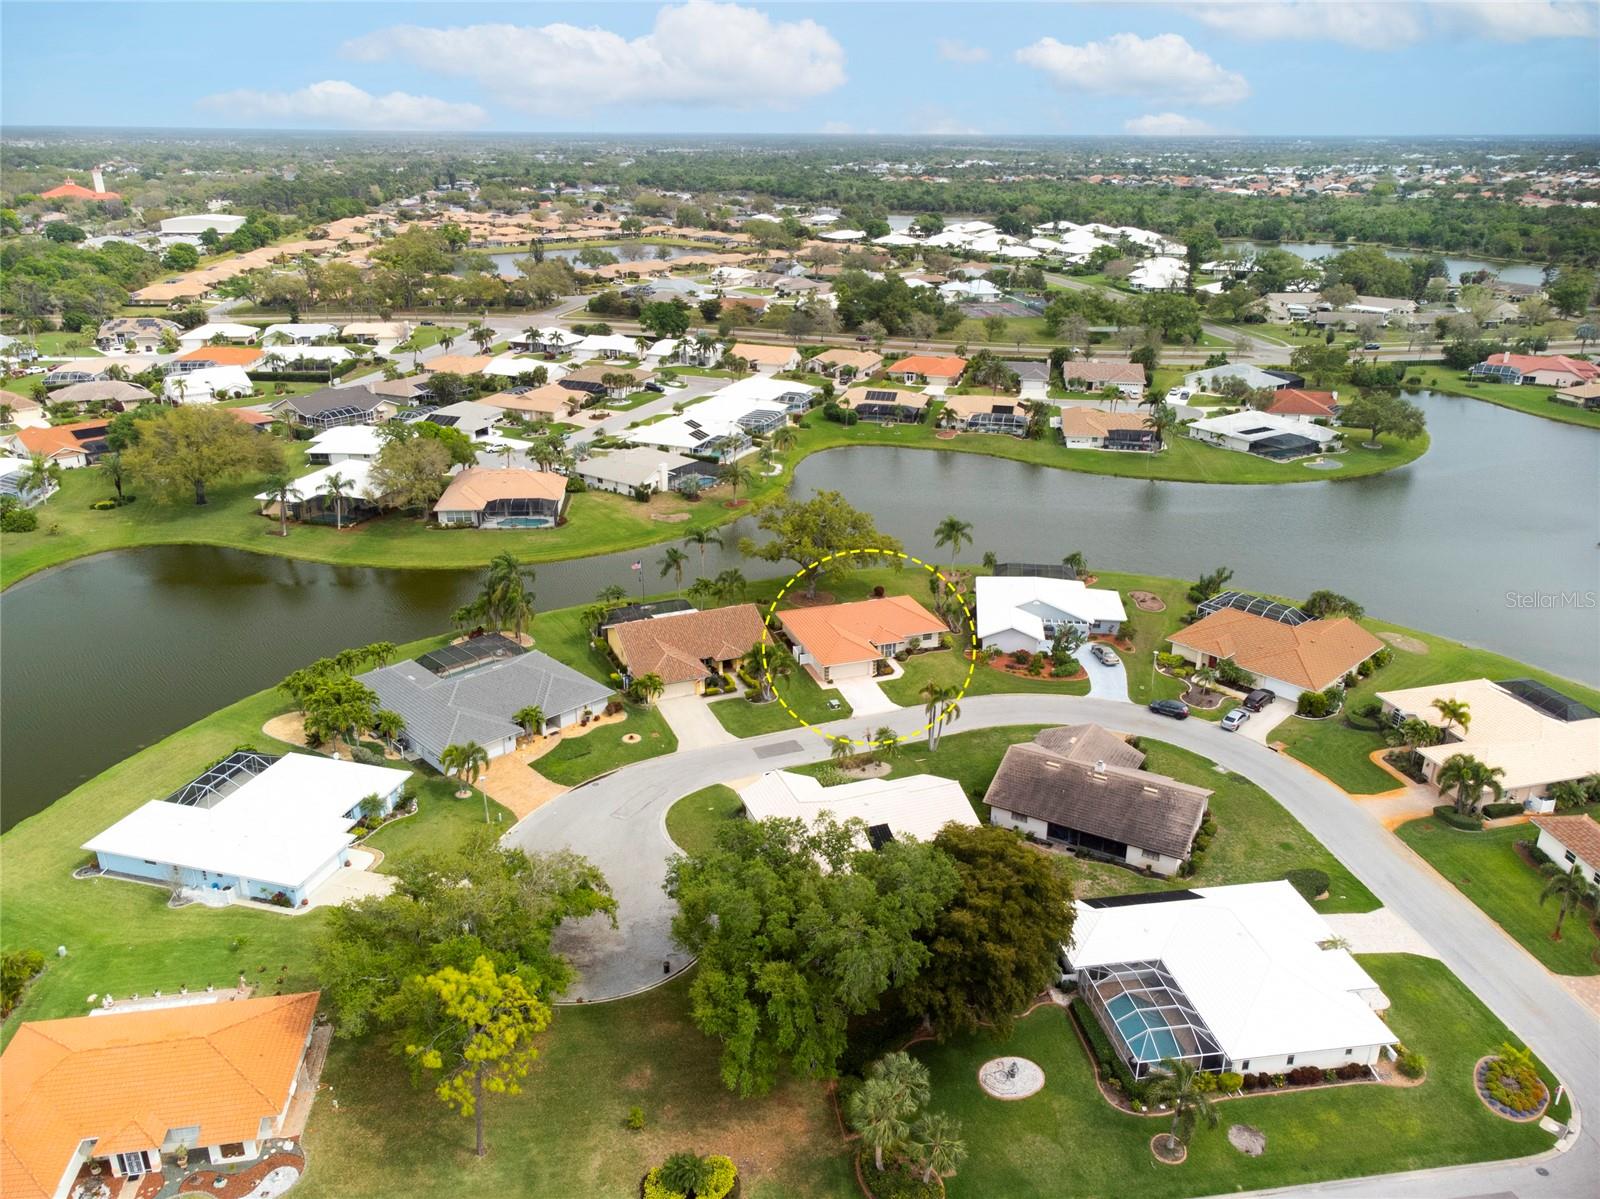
(703, 538)
(1176, 1088)
(508, 593)
(648, 688)
(1469, 777)
(281, 491)
(739, 476)
(531, 718)
(1161, 421)
(938, 1145)
(1567, 794)
(1585, 333)
(954, 532)
(702, 593)
(1572, 888)
(877, 1112)
(841, 750)
(481, 335)
(785, 438)
(466, 762)
(336, 485)
(1076, 563)
(379, 652)
(672, 563)
(111, 471)
(1454, 712)
(1203, 677)
(885, 743)
(388, 725)
(612, 593)
(941, 706)
(446, 340)
(43, 473)
(684, 1173)
(730, 585)
(778, 663)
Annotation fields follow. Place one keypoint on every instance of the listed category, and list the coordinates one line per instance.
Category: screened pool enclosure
(1148, 1017)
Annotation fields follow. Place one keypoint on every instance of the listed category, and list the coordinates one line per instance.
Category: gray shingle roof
(1120, 803)
(333, 397)
(478, 705)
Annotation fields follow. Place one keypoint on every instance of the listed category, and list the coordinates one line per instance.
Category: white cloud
(697, 53)
(336, 104)
(1168, 124)
(952, 50)
(1126, 64)
(1392, 24)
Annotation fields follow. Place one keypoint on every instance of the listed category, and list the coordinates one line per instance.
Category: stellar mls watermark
(1581, 600)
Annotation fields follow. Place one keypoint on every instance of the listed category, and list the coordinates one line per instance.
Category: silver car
(1105, 655)
(1235, 718)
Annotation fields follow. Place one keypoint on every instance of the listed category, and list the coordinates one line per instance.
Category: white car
(1179, 395)
(1234, 719)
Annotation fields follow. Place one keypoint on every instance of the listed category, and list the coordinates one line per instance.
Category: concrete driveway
(1105, 682)
(865, 697)
(1261, 723)
(692, 722)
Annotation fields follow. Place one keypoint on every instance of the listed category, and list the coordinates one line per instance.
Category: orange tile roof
(675, 647)
(1294, 401)
(126, 1079)
(72, 190)
(1077, 420)
(57, 439)
(550, 399)
(935, 366)
(1579, 833)
(1314, 655)
(477, 486)
(841, 633)
(767, 355)
(223, 355)
(460, 364)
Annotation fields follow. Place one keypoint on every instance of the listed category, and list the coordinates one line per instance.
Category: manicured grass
(800, 691)
(62, 344)
(1536, 401)
(1486, 868)
(424, 336)
(1339, 747)
(564, 1135)
(120, 936)
(579, 759)
(692, 821)
(1067, 1141)
(949, 668)
(969, 758)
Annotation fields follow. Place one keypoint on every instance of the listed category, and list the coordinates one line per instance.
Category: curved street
(618, 822)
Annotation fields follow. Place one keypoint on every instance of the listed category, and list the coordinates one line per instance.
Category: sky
(1073, 67)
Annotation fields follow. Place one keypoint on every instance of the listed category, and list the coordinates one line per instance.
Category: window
(1149, 855)
(132, 1165)
(1349, 1052)
(1570, 856)
(1244, 1065)
(1289, 1061)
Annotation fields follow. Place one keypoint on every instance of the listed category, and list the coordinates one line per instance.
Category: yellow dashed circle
(972, 659)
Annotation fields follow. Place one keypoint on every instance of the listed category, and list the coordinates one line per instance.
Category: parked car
(1105, 655)
(427, 323)
(1373, 345)
(652, 385)
(1235, 718)
(1170, 707)
(1259, 698)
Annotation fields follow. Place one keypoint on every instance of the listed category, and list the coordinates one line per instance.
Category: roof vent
(1100, 766)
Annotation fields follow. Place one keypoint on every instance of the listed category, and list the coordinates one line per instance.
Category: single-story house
(1025, 613)
(332, 406)
(1285, 658)
(1571, 842)
(626, 471)
(1159, 274)
(1086, 428)
(1534, 734)
(916, 806)
(1582, 395)
(1085, 375)
(985, 414)
(845, 364)
(115, 392)
(1083, 787)
(551, 401)
(692, 353)
(795, 397)
(77, 444)
(688, 649)
(22, 411)
(476, 420)
(1212, 378)
(459, 364)
(552, 339)
(450, 698)
(1543, 370)
(1307, 407)
(413, 389)
(372, 332)
(316, 504)
(344, 443)
(144, 333)
(506, 498)
(887, 405)
(719, 428)
(849, 641)
(604, 382)
(303, 358)
(201, 334)
(207, 385)
(1247, 978)
(254, 826)
(969, 291)
(207, 357)
(210, 1075)
(513, 366)
(93, 370)
(607, 345)
(1034, 377)
(13, 483)
(942, 370)
(768, 359)
(661, 351)
(1280, 438)
(299, 334)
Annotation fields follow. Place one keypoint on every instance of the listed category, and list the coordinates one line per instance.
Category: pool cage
(1148, 1017)
(222, 779)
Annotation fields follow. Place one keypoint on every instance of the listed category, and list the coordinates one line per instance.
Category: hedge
(1494, 811)
(1468, 821)
(1310, 883)
(1104, 1053)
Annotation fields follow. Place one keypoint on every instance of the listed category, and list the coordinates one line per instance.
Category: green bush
(1231, 674)
(19, 520)
(721, 1174)
(1310, 883)
(1382, 658)
(898, 1179)
(1100, 1045)
(1228, 1082)
(1412, 1064)
(1494, 811)
(1468, 821)
(1313, 704)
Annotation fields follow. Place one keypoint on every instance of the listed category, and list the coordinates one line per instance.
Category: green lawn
(1339, 747)
(62, 344)
(1536, 401)
(800, 691)
(1485, 868)
(424, 336)
(564, 1134)
(120, 936)
(949, 668)
(692, 821)
(1067, 1141)
(579, 759)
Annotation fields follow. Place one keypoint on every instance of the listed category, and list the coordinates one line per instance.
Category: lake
(109, 654)
(1508, 272)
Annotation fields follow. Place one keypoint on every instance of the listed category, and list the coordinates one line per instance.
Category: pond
(1507, 272)
(1486, 538)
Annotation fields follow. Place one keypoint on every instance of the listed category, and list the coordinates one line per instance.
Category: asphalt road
(619, 823)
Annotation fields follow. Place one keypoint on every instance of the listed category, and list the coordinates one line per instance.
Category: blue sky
(1261, 67)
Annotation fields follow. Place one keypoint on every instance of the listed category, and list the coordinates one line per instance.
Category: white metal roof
(194, 387)
(1251, 961)
(597, 343)
(278, 827)
(1253, 426)
(201, 334)
(1025, 603)
(359, 441)
(916, 806)
(356, 472)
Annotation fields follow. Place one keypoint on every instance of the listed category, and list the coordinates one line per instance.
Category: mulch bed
(1165, 1155)
(1147, 602)
(1006, 666)
(798, 599)
(235, 1186)
(945, 435)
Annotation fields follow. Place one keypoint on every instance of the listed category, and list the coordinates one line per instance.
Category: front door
(132, 1165)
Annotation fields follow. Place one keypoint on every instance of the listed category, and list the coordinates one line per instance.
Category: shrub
(367, 757)
(102, 505)
(1494, 811)
(1021, 657)
(1247, 1082)
(1310, 883)
(1303, 1076)
(1537, 855)
(1173, 661)
(720, 1175)
(1205, 1082)
(899, 1179)
(1382, 658)
(1351, 1070)
(1312, 703)
(635, 1120)
(1231, 674)
(1366, 668)
(1228, 1081)
(19, 520)
(1514, 1084)
(1469, 821)
(1411, 1063)
(1111, 1064)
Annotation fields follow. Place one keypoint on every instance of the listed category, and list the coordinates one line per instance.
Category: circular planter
(1480, 1075)
(1010, 1078)
(1160, 1151)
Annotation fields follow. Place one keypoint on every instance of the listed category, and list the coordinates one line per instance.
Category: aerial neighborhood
(791, 663)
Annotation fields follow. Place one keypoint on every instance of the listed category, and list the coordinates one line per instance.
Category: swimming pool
(1147, 1036)
(523, 522)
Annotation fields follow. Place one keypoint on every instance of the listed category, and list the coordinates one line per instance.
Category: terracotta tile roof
(862, 360)
(1314, 655)
(1078, 421)
(855, 396)
(1578, 833)
(71, 190)
(1103, 372)
(1528, 363)
(476, 486)
(840, 633)
(127, 1079)
(460, 364)
(676, 647)
(223, 355)
(59, 439)
(766, 355)
(1293, 401)
(934, 366)
(551, 399)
